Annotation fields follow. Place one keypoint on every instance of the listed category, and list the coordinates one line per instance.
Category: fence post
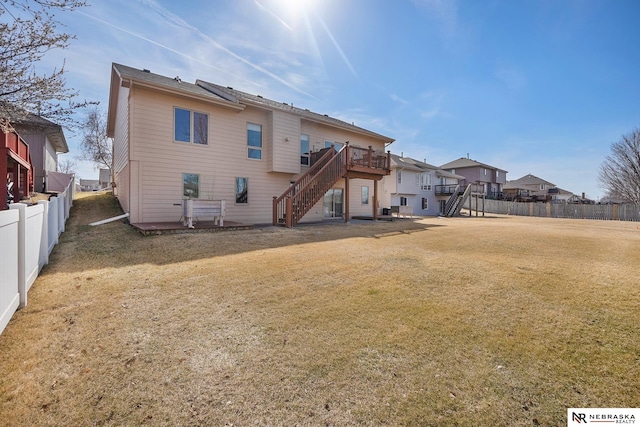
(44, 239)
(61, 217)
(530, 209)
(22, 251)
(615, 212)
(548, 210)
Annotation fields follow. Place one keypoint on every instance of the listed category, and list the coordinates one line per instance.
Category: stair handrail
(464, 197)
(279, 204)
(310, 193)
(451, 200)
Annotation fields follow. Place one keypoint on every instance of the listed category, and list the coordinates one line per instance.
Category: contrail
(124, 30)
(182, 23)
(337, 46)
(272, 13)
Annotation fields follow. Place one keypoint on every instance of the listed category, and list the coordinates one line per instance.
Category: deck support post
(375, 199)
(346, 199)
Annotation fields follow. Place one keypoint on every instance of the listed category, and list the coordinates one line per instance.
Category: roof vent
(177, 78)
(229, 87)
(259, 96)
(146, 71)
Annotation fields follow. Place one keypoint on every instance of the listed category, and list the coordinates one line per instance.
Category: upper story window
(542, 186)
(485, 172)
(497, 174)
(254, 141)
(425, 183)
(190, 126)
(304, 150)
(399, 174)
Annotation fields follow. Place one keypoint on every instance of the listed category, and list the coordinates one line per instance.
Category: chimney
(583, 196)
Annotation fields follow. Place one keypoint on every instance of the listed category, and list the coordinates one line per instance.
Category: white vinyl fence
(28, 234)
(560, 210)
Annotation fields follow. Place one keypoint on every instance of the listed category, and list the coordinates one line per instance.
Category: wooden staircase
(456, 201)
(303, 194)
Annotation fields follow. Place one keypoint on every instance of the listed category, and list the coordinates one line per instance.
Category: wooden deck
(150, 228)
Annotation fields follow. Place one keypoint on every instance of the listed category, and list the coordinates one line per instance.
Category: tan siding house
(174, 140)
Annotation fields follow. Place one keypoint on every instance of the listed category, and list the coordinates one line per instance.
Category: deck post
(375, 199)
(275, 211)
(289, 213)
(3, 177)
(346, 199)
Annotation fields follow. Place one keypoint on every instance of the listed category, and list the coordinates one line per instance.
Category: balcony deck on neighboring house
(15, 161)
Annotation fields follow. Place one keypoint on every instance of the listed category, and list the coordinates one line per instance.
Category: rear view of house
(423, 188)
(269, 161)
(485, 179)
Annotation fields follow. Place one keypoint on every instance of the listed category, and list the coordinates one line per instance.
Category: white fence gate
(28, 234)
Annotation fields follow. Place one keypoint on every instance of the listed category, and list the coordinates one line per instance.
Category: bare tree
(96, 146)
(28, 30)
(67, 166)
(620, 171)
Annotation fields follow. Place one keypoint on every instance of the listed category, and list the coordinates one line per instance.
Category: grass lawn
(495, 321)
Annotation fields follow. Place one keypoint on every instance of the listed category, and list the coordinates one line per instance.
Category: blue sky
(541, 87)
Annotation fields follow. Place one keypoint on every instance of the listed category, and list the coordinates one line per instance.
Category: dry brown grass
(496, 321)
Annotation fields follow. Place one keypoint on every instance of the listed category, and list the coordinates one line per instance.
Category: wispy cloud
(445, 12)
(398, 99)
(513, 78)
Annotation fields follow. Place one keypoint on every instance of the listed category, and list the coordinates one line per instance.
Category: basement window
(190, 185)
(365, 195)
(242, 190)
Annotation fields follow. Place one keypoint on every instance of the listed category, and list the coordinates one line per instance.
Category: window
(403, 201)
(190, 185)
(190, 126)
(242, 190)
(485, 171)
(337, 145)
(425, 183)
(399, 174)
(254, 141)
(365, 195)
(542, 186)
(304, 150)
(425, 204)
(497, 174)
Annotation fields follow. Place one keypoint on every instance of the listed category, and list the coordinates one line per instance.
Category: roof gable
(530, 179)
(465, 162)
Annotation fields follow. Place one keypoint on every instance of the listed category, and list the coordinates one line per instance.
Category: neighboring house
(46, 140)
(104, 178)
(421, 186)
(485, 179)
(174, 140)
(532, 188)
(89, 185)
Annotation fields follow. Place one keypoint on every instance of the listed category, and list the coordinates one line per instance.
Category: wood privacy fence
(559, 210)
(28, 234)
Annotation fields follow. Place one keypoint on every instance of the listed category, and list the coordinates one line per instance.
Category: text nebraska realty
(605, 418)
